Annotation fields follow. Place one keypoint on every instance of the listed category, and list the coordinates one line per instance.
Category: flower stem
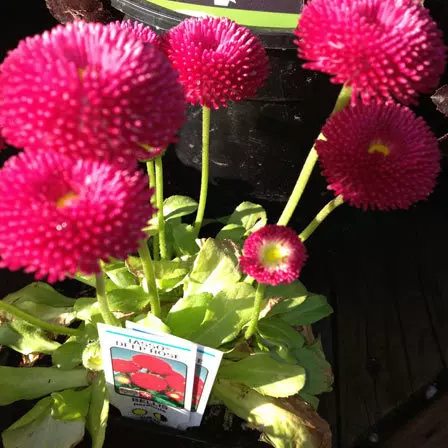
(150, 278)
(151, 173)
(259, 295)
(204, 169)
(101, 296)
(151, 170)
(315, 223)
(16, 312)
(304, 176)
(159, 199)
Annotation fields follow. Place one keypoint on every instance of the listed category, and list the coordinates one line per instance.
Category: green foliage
(42, 301)
(187, 314)
(40, 426)
(296, 305)
(152, 322)
(226, 314)
(119, 274)
(171, 274)
(285, 423)
(68, 355)
(177, 206)
(25, 384)
(70, 404)
(130, 300)
(246, 218)
(265, 375)
(275, 332)
(91, 356)
(26, 338)
(250, 216)
(319, 376)
(215, 268)
(313, 309)
(98, 411)
(184, 239)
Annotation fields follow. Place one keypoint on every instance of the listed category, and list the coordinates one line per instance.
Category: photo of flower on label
(149, 377)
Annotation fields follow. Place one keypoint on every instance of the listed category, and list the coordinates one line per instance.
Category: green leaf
(178, 206)
(98, 411)
(130, 300)
(275, 332)
(233, 232)
(266, 375)
(187, 314)
(70, 404)
(91, 356)
(26, 338)
(312, 400)
(226, 314)
(25, 384)
(295, 291)
(119, 274)
(152, 322)
(319, 376)
(250, 216)
(68, 355)
(87, 309)
(285, 422)
(184, 239)
(90, 281)
(171, 274)
(215, 268)
(39, 426)
(313, 309)
(44, 302)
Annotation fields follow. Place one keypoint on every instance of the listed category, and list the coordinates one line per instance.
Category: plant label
(149, 376)
(207, 366)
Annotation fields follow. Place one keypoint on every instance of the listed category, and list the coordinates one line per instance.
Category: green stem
(150, 168)
(259, 295)
(320, 217)
(159, 199)
(16, 312)
(101, 296)
(150, 278)
(204, 169)
(299, 188)
(151, 173)
(304, 176)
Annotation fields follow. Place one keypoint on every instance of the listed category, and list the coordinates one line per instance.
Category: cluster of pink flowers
(86, 101)
(375, 153)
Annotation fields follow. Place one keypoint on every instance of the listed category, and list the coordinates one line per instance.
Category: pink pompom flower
(2, 141)
(139, 30)
(90, 90)
(218, 60)
(59, 216)
(381, 48)
(379, 156)
(272, 255)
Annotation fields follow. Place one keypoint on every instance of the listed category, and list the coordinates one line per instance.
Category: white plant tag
(149, 376)
(207, 365)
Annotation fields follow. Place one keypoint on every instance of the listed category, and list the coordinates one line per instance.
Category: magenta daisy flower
(2, 140)
(59, 216)
(218, 61)
(90, 90)
(272, 255)
(379, 156)
(381, 48)
(141, 31)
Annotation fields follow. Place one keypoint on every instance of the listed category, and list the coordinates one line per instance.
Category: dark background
(386, 275)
